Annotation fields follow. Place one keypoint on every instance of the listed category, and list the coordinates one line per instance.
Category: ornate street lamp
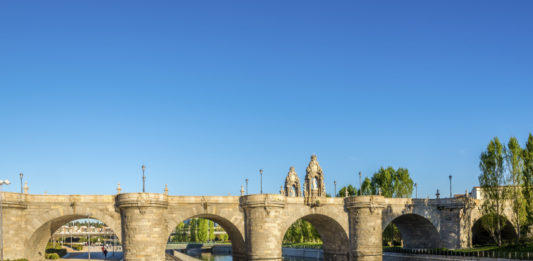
(261, 173)
(21, 187)
(360, 175)
(144, 177)
(246, 186)
(335, 185)
(2, 182)
(451, 196)
(416, 190)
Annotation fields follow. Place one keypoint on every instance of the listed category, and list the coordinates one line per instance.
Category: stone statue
(314, 180)
(292, 184)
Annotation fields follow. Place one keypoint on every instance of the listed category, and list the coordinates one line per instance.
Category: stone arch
(481, 236)
(334, 237)
(43, 226)
(235, 235)
(416, 230)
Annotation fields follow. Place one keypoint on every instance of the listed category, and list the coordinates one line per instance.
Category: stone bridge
(350, 228)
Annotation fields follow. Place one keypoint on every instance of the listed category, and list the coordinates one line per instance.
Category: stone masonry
(350, 228)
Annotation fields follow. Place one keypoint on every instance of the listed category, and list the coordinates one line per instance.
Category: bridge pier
(144, 226)
(13, 235)
(263, 233)
(364, 215)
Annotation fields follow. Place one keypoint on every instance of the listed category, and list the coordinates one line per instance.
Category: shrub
(51, 256)
(59, 252)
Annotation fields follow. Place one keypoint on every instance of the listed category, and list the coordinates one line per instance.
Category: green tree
(528, 178)
(366, 187)
(391, 235)
(492, 182)
(351, 190)
(515, 165)
(301, 231)
(193, 230)
(392, 183)
(211, 230)
(383, 181)
(202, 230)
(403, 184)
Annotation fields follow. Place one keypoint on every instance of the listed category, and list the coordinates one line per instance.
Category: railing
(523, 255)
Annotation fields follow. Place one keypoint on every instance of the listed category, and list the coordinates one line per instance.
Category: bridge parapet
(142, 200)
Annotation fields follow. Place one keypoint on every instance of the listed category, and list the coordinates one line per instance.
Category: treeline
(389, 182)
(507, 178)
(301, 231)
(87, 223)
(198, 230)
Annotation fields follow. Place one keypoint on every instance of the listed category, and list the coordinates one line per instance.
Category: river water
(213, 257)
(386, 257)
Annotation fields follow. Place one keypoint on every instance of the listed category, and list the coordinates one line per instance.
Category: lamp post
(144, 177)
(416, 190)
(360, 175)
(335, 186)
(261, 173)
(2, 182)
(89, 237)
(21, 187)
(451, 196)
(246, 186)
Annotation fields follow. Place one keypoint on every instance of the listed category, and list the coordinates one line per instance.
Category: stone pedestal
(144, 226)
(364, 213)
(263, 226)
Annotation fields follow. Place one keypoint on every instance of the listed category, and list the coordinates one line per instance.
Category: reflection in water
(212, 257)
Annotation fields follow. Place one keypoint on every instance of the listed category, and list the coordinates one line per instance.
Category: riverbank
(389, 256)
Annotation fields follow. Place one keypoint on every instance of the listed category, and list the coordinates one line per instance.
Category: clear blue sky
(207, 92)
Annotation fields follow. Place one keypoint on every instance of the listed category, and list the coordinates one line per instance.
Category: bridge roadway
(351, 228)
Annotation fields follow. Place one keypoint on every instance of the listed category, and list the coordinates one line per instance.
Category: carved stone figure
(292, 184)
(314, 179)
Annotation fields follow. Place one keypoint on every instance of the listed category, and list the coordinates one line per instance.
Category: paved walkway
(96, 255)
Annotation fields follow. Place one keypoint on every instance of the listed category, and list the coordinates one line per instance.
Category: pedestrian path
(96, 255)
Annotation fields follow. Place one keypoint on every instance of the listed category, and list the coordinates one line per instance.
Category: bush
(51, 256)
(74, 246)
(59, 252)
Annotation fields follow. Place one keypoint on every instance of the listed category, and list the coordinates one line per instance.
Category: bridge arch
(480, 236)
(416, 231)
(333, 235)
(44, 226)
(228, 223)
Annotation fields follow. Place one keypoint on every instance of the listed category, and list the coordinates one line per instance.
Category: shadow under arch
(333, 235)
(238, 247)
(416, 231)
(37, 242)
(480, 236)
